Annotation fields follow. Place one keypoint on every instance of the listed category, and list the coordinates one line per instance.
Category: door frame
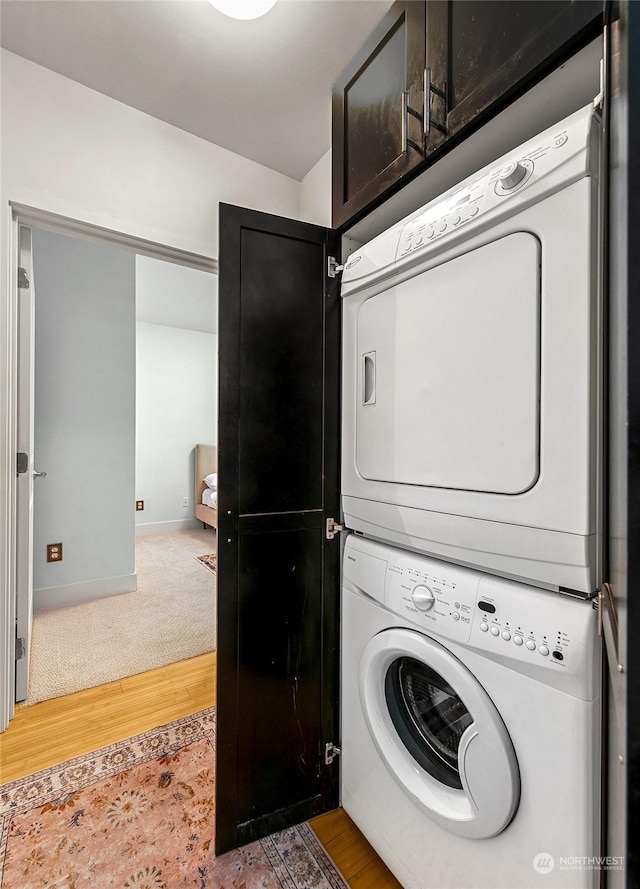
(22, 214)
(25, 414)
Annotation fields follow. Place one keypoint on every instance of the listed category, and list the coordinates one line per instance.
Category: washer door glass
(429, 716)
(438, 733)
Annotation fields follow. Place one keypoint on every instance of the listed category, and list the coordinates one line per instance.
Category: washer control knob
(423, 598)
(484, 627)
(495, 631)
(512, 175)
(455, 615)
(517, 639)
(544, 651)
(531, 645)
(506, 635)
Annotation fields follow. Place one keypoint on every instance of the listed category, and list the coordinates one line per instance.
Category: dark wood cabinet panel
(280, 588)
(495, 50)
(368, 123)
(281, 366)
(465, 61)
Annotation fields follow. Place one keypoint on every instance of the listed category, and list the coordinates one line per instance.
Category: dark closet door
(278, 575)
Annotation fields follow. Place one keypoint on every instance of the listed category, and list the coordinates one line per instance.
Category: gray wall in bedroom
(84, 412)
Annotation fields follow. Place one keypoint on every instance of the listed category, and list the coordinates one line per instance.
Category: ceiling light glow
(244, 9)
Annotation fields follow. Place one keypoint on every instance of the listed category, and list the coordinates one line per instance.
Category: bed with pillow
(206, 495)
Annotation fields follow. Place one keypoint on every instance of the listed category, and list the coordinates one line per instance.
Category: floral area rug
(210, 562)
(140, 815)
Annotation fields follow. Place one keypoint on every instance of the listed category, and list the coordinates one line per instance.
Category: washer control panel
(539, 629)
(547, 636)
(435, 595)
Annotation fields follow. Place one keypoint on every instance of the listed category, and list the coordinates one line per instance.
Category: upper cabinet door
(378, 112)
(483, 54)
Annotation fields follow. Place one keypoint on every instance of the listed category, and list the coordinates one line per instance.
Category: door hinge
(22, 462)
(23, 279)
(333, 528)
(21, 648)
(608, 624)
(332, 266)
(330, 753)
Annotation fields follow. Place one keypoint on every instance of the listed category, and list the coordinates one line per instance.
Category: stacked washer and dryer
(472, 375)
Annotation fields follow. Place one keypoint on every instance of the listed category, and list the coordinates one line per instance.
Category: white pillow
(211, 481)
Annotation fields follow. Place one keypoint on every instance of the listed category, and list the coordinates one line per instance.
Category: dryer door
(439, 733)
(449, 374)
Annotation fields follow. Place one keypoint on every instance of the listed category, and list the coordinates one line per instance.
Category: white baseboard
(167, 527)
(88, 591)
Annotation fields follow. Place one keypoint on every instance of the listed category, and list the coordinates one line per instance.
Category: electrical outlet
(185, 501)
(139, 505)
(54, 552)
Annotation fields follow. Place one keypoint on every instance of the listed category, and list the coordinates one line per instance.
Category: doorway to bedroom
(125, 388)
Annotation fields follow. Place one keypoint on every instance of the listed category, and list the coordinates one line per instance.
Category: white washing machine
(470, 724)
(472, 370)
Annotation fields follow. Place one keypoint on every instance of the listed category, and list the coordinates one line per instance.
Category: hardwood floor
(354, 856)
(48, 733)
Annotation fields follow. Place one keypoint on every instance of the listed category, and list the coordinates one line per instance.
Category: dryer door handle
(369, 378)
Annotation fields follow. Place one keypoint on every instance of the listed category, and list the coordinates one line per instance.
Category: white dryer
(470, 724)
(472, 370)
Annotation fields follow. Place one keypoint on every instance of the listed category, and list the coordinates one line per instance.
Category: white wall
(84, 417)
(176, 408)
(69, 150)
(315, 193)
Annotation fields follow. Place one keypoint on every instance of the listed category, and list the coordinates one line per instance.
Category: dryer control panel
(545, 164)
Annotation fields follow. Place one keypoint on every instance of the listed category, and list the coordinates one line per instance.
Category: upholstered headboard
(206, 463)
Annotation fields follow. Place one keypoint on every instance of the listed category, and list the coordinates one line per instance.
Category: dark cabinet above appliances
(430, 75)
(373, 146)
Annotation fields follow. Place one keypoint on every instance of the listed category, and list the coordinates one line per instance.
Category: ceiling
(260, 88)
(176, 296)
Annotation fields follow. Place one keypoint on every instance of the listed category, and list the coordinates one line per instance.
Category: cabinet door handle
(428, 89)
(427, 101)
(406, 111)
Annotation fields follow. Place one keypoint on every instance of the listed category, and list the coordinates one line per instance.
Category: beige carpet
(169, 618)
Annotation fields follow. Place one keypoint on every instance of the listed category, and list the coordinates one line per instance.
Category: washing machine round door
(438, 733)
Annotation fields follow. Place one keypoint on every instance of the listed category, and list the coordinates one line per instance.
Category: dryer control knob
(423, 598)
(512, 175)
